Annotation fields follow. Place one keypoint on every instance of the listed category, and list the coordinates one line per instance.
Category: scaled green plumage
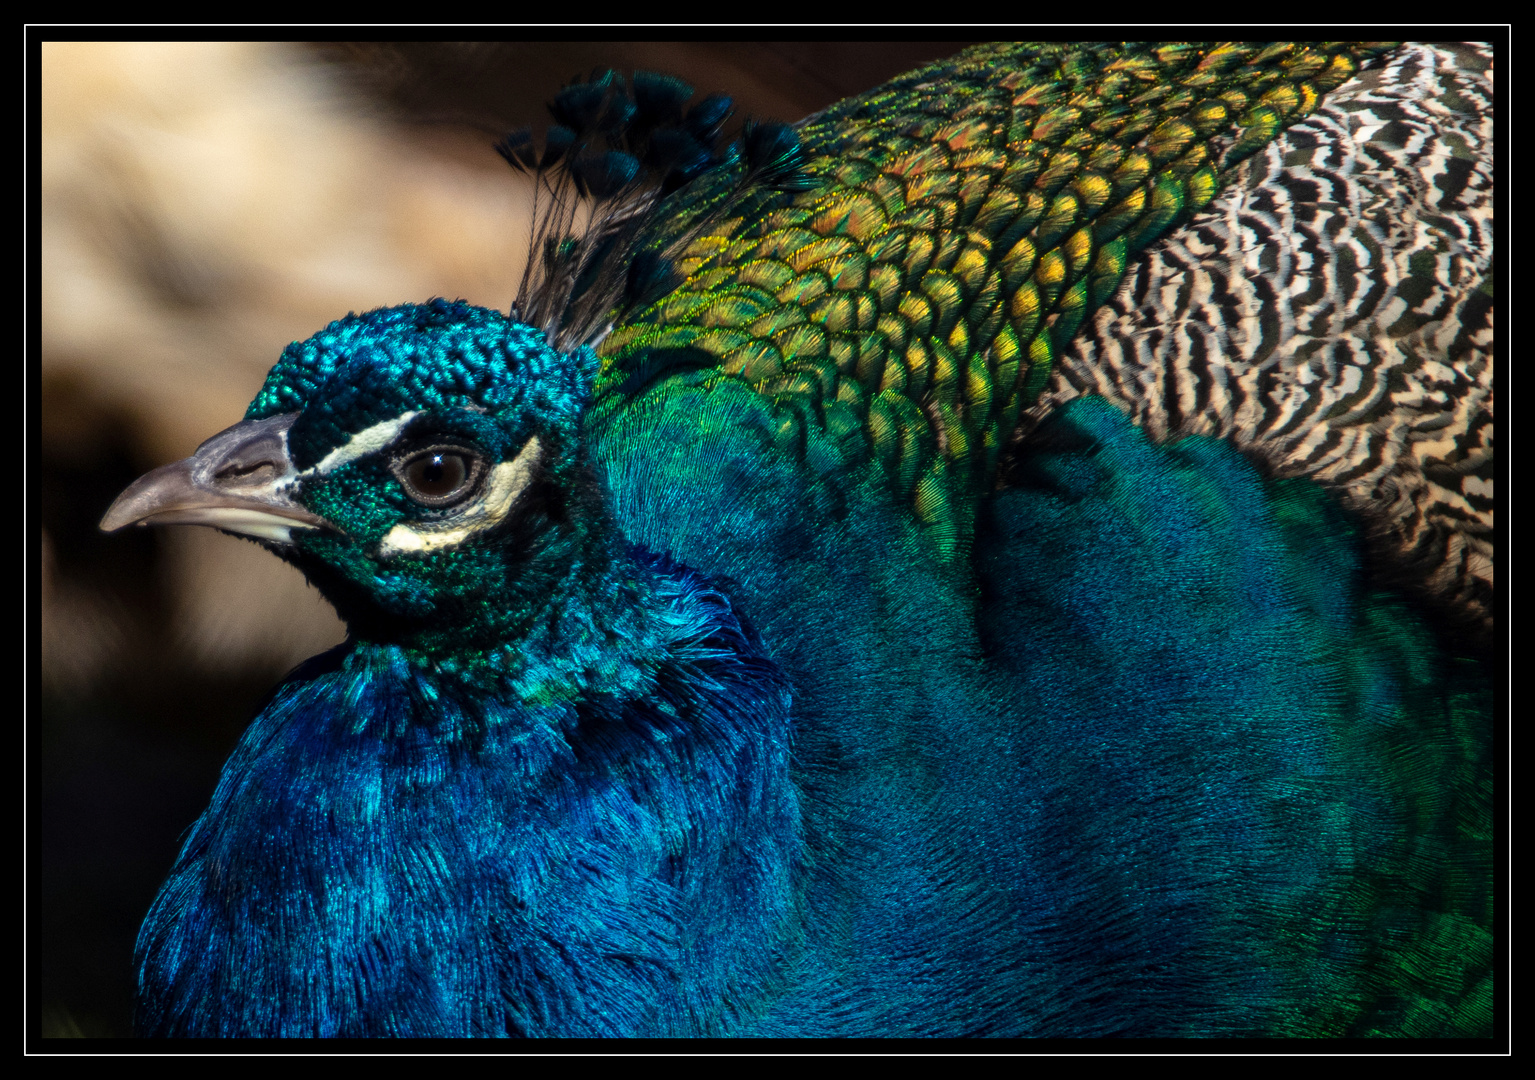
(959, 228)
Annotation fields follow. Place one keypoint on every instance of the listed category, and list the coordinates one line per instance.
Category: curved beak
(238, 481)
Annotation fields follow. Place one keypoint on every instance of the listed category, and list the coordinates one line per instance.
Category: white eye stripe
(365, 442)
(505, 483)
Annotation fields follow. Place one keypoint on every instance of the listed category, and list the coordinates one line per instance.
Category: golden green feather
(960, 228)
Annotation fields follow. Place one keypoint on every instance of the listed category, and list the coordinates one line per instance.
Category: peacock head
(421, 464)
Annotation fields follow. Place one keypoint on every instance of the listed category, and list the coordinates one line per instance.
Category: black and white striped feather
(1331, 313)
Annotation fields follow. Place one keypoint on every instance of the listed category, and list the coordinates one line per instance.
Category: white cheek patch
(507, 481)
(366, 441)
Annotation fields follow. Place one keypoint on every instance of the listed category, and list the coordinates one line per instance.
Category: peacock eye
(440, 476)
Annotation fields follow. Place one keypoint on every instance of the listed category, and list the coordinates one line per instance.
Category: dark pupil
(436, 475)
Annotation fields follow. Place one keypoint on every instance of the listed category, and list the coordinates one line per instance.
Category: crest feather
(616, 151)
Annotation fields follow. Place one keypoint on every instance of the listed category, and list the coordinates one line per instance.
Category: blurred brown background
(203, 205)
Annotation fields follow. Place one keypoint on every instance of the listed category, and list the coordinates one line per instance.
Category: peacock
(1009, 555)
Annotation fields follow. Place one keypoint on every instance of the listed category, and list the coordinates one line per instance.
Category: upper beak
(237, 481)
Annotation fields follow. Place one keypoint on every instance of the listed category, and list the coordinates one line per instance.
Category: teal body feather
(728, 669)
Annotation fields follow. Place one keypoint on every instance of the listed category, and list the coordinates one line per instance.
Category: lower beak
(239, 481)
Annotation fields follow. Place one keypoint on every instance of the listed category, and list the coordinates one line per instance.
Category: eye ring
(439, 476)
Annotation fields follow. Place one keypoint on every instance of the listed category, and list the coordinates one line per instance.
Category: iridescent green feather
(961, 226)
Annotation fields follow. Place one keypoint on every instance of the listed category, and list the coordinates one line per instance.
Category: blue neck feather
(481, 864)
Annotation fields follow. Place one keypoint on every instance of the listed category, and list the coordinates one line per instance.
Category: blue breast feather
(1131, 791)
